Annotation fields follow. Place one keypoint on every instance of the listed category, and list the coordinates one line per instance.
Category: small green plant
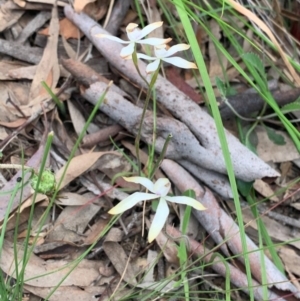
(47, 184)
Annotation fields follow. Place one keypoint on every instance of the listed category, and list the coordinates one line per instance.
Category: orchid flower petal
(145, 57)
(152, 66)
(149, 28)
(141, 180)
(127, 50)
(130, 201)
(154, 41)
(162, 187)
(159, 219)
(179, 62)
(179, 47)
(131, 27)
(185, 200)
(161, 52)
(112, 38)
(135, 34)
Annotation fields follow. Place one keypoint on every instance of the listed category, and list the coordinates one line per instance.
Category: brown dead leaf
(14, 124)
(77, 118)
(118, 257)
(69, 50)
(79, 5)
(215, 66)
(78, 166)
(20, 3)
(48, 69)
(9, 15)
(22, 73)
(173, 75)
(290, 258)
(8, 66)
(3, 133)
(17, 93)
(265, 190)
(44, 274)
(69, 30)
(95, 230)
(269, 151)
(26, 192)
(72, 223)
(66, 293)
(75, 199)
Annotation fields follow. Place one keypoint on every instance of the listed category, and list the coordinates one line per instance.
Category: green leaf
(294, 106)
(250, 140)
(244, 187)
(256, 62)
(274, 137)
(221, 87)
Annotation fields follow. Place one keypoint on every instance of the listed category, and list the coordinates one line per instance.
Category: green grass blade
(220, 129)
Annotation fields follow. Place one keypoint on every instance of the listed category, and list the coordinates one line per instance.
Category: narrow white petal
(131, 27)
(149, 28)
(162, 187)
(112, 38)
(185, 200)
(152, 66)
(127, 50)
(145, 57)
(179, 62)
(154, 41)
(179, 47)
(130, 201)
(141, 180)
(159, 219)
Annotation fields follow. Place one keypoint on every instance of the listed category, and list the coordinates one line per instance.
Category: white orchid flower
(135, 36)
(163, 54)
(159, 191)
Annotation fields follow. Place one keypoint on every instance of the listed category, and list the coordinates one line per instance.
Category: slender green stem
(138, 137)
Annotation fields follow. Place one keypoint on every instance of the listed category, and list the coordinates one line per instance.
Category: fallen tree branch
(116, 106)
(247, 166)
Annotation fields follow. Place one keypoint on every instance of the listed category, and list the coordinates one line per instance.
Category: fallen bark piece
(247, 166)
(215, 181)
(247, 103)
(27, 54)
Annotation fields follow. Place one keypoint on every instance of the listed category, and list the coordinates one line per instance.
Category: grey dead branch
(194, 135)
